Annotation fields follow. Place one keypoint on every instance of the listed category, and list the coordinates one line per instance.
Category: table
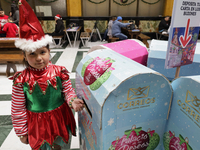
(131, 33)
(73, 30)
(144, 39)
(9, 54)
(136, 34)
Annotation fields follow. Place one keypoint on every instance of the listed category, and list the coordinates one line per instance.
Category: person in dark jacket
(15, 14)
(59, 27)
(164, 24)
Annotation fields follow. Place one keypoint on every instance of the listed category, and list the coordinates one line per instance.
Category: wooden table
(132, 34)
(73, 30)
(136, 34)
(9, 54)
(144, 38)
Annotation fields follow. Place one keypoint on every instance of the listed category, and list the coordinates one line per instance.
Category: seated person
(116, 28)
(164, 24)
(59, 27)
(15, 13)
(11, 29)
(108, 31)
(109, 34)
(3, 20)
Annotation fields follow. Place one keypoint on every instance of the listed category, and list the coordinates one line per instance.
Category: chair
(112, 39)
(58, 37)
(160, 34)
(84, 36)
(88, 30)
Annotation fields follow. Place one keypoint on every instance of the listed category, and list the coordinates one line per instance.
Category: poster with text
(183, 35)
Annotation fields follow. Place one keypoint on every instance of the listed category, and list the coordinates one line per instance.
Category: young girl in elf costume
(42, 94)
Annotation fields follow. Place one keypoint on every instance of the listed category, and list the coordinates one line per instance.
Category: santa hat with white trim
(58, 16)
(31, 33)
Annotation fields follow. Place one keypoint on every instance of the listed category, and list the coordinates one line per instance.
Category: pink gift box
(131, 48)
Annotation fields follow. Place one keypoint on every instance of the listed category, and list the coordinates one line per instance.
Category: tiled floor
(68, 57)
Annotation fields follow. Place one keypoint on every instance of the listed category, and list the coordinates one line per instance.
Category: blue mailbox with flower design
(183, 126)
(126, 103)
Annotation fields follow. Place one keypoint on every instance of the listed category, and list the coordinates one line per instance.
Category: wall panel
(150, 10)
(128, 11)
(168, 7)
(91, 9)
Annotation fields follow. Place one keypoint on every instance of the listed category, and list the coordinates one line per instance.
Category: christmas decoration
(154, 139)
(150, 3)
(92, 1)
(173, 143)
(135, 138)
(166, 139)
(32, 35)
(97, 71)
(123, 2)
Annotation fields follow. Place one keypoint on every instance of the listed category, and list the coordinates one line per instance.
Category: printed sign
(184, 31)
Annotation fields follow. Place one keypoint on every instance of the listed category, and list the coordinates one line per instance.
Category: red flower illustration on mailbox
(136, 139)
(96, 71)
(171, 142)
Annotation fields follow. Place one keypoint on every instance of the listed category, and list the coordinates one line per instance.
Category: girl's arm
(18, 110)
(68, 91)
(70, 96)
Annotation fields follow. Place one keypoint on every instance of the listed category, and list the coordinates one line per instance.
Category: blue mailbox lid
(121, 69)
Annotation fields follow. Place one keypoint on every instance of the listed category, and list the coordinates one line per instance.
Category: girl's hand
(77, 104)
(24, 139)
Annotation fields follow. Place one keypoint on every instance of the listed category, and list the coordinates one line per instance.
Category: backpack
(73, 25)
(94, 37)
(131, 27)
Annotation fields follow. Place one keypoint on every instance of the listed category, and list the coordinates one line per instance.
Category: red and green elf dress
(40, 107)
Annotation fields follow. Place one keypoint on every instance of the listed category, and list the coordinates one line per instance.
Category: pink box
(131, 48)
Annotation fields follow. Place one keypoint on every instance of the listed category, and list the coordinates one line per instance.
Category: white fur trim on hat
(57, 17)
(30, 45)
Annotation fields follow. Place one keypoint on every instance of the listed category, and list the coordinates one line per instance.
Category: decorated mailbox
(126, 103)
(156, 60)
(131, 48)
(183, 126)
